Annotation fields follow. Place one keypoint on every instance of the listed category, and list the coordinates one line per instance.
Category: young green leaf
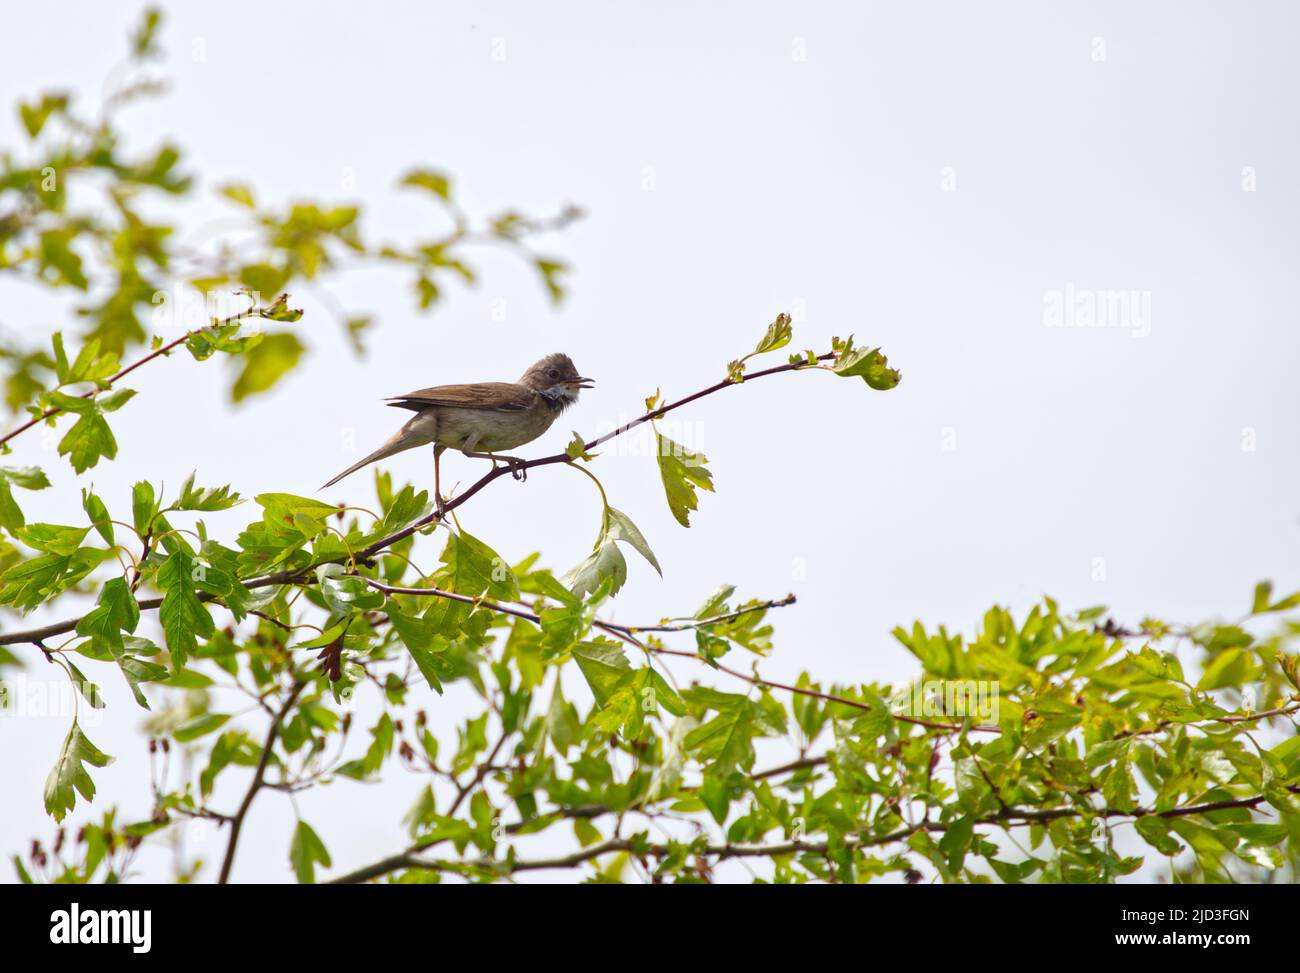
(682, 471)
(115, 612)
(306, 851)
(26, 477)
(98, 514)
(868, 364)
(69, 776)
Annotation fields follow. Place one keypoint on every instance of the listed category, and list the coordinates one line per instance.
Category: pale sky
(940, 179)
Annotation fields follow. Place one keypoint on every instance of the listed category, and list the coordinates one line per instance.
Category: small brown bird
(482, 418)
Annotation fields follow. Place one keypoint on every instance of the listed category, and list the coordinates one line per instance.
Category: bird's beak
(581, 383)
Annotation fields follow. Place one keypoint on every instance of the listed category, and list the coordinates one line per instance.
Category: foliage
(1018, 755)
(82, 212)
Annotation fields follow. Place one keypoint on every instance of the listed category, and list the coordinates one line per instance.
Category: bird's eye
(552, 374)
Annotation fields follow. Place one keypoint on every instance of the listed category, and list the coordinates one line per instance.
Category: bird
(482, 418)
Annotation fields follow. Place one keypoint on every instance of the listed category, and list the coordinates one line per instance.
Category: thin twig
(237, 820)
(55, 410)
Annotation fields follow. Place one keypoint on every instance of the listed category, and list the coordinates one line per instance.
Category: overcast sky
(958, 183)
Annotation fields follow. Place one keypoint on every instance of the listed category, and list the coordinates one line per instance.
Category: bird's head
(556, 378)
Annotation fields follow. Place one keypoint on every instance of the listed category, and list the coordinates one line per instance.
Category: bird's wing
(493, 396)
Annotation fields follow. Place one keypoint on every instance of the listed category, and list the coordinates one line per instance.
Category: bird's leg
(517, 468)
(437, 487)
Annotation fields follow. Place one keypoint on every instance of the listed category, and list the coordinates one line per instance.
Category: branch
(237, 821)
(54, 410)
(35, 636)
(625, 632)
(1009, 817)
(393, 862)
(463, 790)
(384, 542)
(686, 624)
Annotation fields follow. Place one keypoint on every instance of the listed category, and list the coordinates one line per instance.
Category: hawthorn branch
(625, 632)
(237, 819)
(463, 791)
(372, 549)
(35, 636)
(55, 410)
(687, 624)
(1007, 817)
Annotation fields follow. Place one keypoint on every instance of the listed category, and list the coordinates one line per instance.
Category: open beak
(581, 383)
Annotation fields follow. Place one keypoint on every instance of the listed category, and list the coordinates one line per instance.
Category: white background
(736, 160)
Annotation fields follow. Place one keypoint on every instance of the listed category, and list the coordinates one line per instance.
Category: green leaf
(116, 399)
(668, 775)
(577, 448)
(1155, 832)
(35, 116)
(265, 363)
(621, 528)
(778, 335)
(89, 439)
(604, 666)
(306, 851)
(69, 776)
(142, 41)
(380, 747)
(143, 507)
(279, 310)
(238, 192)
(682, 471)
(53, 538)
(1263, 600)
(717, 602)
(89, 691)
(434, 181)
(868, 364)
(26, 477)
(604, 564)
(183, 616)
(346, 593)
(138, 671)
(420, 638)
(473, 568)
(205, 498)
(199, 726)
(727, 740)
(98, 514)
(1229, 668)
(116, 611)
(60, 265)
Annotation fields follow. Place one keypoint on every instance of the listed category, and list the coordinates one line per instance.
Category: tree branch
(1008, 817)
(53, 411)
(35, 636)
(483, 481)
(237, 820)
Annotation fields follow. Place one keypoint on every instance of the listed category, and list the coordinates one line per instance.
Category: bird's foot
(440, 505)
(516, 465)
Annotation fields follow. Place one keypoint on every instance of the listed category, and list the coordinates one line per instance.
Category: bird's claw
(518, 470)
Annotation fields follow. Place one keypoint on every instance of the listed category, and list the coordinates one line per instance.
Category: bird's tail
(402, 440)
